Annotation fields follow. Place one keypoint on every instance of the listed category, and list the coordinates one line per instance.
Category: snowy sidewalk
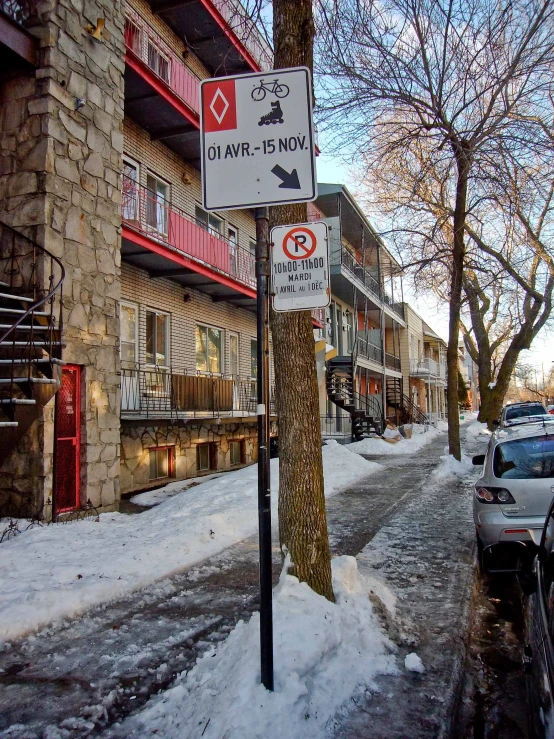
(92, 672)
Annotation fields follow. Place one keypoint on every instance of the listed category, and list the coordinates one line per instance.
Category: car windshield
(525, 410)
(523, 459)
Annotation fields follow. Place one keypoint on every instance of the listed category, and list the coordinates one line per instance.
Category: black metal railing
(160, 392)
(349, 262)
(392, 362)
(31, 280)
(393, 305)
(371, 405)
(336, 427)
(369, 350)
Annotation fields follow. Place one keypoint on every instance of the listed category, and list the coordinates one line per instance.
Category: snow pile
(54, 572)
(413, 663)
(324, 654)
(450, 467)
(476, 429)
(442, 426)
(158, 495)
(405, 446)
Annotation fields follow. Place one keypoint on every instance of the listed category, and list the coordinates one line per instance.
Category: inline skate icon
(274, 116)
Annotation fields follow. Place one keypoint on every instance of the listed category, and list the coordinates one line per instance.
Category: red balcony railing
(149, 47)
(149, 213)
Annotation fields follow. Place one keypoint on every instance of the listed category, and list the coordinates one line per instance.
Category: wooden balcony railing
(150, 48)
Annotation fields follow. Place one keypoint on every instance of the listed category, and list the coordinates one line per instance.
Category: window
(132, 36)
(161, 462)
(524, 459)
(157, 201)
(157, 327)
(206, 457)
(236, 455)
(129, 195)
(252, 247)
(234, 354)
(129, 326)
(209, 349)
(208, 221)
(253, 358)
(232, 236)
(157, 62)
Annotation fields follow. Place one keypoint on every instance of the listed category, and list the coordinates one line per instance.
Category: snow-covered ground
(55, 572)
(477, 431)
(327, 653)
(405, 446)
(450, 467)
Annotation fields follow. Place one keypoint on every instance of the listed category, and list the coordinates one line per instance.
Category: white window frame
(136, 165)
(155, 229)
(155, 45)
(135, 308)
(237, 335)
(147, 310)
(222, 358)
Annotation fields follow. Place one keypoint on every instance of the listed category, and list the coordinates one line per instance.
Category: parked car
(513, 493)
(538, 651)
(521, 413)
(550, 409)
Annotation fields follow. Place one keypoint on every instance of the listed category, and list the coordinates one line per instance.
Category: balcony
(427, 367)
(392, 362)
(219, 32)
(161, 93)
(155, 231)
(369, 350)
(348, 261)
(196, 252)
(398, 308)
(148, 393)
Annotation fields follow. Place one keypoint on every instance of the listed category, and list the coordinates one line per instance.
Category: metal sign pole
(263, 413)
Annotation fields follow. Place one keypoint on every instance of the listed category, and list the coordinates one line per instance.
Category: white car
(515, 489)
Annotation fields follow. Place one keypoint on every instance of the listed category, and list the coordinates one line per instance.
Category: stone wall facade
(62, 143)
(183, 438)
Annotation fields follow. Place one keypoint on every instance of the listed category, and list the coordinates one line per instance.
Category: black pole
(264, 479)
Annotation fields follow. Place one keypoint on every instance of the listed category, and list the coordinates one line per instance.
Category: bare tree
(302, 517)
(454, 78)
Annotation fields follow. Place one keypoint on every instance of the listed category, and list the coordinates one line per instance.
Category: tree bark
(458, 254)
(302, 516)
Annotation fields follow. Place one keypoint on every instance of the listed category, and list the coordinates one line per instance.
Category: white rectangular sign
(300, 267)
(257, 140)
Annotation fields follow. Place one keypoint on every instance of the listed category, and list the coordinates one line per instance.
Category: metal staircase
(30, 333)
(364, 411)
(408, 411)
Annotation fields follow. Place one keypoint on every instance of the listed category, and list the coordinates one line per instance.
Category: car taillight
(493, 495)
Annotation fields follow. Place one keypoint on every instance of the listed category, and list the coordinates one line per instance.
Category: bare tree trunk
(458, 253)
(302, 517)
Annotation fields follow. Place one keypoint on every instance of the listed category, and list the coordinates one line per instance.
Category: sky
(541, 355)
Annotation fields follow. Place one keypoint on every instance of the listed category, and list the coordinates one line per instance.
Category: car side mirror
(478, 460)
(496, 423)
(527, 582)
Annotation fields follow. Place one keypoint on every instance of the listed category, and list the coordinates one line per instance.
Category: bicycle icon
(275, 88)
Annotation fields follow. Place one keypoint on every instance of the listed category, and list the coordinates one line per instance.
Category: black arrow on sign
(290, 181)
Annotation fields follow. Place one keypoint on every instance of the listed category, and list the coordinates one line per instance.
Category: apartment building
(470, 373)
(423, 356)
(135, 357)
(360, 342)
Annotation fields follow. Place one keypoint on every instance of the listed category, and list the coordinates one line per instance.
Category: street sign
(300, 267)
(257, 140)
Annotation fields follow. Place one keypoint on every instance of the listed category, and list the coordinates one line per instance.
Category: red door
(67, 449)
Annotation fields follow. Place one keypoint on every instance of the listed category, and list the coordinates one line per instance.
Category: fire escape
(30, 333)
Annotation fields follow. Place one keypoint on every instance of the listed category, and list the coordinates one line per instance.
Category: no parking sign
(300, 267)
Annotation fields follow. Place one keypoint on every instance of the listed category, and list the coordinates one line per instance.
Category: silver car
(514, 413)
(514, 491)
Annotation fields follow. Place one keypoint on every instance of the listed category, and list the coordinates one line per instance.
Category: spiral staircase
(364, 410)
(407, 410)
(31, 281)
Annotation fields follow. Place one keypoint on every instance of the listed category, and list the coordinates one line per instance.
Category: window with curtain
(157, 203)
(128, 344)
(209, 349)
(129, 194)
(208, 221)
(157, 339)
(157, 62)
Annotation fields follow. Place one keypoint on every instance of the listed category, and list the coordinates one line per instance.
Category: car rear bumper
(493, 527)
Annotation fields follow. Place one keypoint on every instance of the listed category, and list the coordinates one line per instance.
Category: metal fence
(392, 362)
(336, 427)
